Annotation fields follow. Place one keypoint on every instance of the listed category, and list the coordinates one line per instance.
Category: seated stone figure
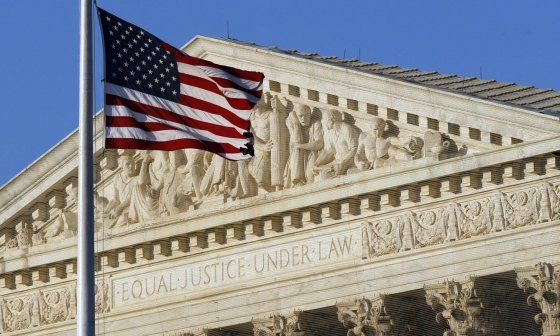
(340, 145)
(376, 150)
(64, 222)
(305, 143)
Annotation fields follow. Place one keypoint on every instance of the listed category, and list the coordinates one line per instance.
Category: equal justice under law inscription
(229, 269)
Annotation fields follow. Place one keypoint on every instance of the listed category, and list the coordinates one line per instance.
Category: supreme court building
(381, 201)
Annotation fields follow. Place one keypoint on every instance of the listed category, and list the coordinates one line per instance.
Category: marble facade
(372, 207)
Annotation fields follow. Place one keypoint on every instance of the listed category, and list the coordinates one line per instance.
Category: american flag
(159, 98)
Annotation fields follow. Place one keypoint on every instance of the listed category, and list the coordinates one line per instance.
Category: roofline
(245, 45)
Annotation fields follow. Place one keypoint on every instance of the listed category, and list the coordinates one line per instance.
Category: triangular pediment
(330, 129)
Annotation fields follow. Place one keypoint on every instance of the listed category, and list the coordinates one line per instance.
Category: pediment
(322, 126)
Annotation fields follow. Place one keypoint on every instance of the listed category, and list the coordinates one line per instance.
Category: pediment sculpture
(295, 144)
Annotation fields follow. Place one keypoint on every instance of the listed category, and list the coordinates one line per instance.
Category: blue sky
(513, 41)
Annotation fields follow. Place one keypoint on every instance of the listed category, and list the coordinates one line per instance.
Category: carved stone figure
(435, 145)
(168, 177)
(226, 178)
(133, 200)
(64, 222)
(279, 140)
(521, 207)
(16, 313)
(429, 226)
(340, 145)
(306, 140)
(383, 236)
(260, 166)
(22, 238)
(60, 220)
(375, 149)
(99, 210)
(102, 304)
(38, 308)
(194, 172)
(55, 305)
(474, 217)
(243, 178)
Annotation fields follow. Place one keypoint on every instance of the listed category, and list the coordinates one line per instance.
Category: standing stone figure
(259, 167)
(194, 172)
(133, 198)
(219, 178)
(166, 182)
(306, 140)
(341, 143)
(375, 150)
(279, 139)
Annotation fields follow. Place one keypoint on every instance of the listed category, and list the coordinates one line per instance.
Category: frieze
(46, 306)
(461, 220)
(38, 308)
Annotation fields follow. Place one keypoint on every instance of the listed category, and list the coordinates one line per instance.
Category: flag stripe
(229, 88)
(190, 107)
(162, 136)
(241, 102)
(212, 108)
(215, 99)
(124, 143)
(243, 74)
(227, 84)
(118, 112)
(216, 73)
(213, 72)
(148, 126)
(168, 116)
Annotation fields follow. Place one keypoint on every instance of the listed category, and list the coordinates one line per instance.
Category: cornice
(499, 113)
